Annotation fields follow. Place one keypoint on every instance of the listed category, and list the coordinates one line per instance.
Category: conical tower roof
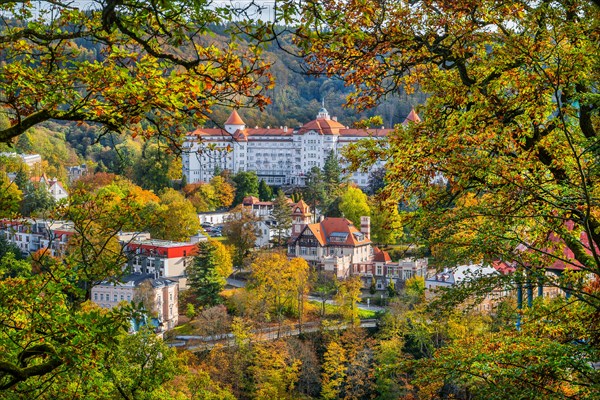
(412, 117)
(235, 119)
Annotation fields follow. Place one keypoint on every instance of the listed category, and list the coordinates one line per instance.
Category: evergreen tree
(282, 213)
(391, 288)
(265, 193)
(332, 170)
(22, 178)
(376, 180)
(37, 199)
(246, 184)
(315, 192)
(208, 273)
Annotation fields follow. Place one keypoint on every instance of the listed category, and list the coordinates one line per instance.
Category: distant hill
(296, 99)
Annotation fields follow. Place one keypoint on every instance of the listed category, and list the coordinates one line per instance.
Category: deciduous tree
(386, 222)
(347, 297)
(224, 190)
(155, 71)
(176, 217)
(280, 283)
(334, 371)
(354, 204)
(246, 184)
(504, 164)
(240, 231)
(10, 197)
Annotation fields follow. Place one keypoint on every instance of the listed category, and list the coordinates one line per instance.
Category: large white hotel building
(279, 156)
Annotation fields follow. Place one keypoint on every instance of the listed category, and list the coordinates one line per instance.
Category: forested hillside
(295, 99)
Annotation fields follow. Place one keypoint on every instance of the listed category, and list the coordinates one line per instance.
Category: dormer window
(359, 236)
(338, 237)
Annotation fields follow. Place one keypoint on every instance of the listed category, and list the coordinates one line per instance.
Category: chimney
(334, 118)
(285, 129)
(365, 226)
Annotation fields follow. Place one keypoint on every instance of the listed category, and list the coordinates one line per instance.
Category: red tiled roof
(249, 200)
(234, 119)
(318, 232)
(503, 267)
(304, 208)
(412, 117)
(381, 256)
(210, 132)
(329, 227)
(366, 132)
(322, 126)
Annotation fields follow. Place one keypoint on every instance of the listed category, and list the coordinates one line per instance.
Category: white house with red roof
(332, 245)
(336, 246)
(52, 185)
(279, 156)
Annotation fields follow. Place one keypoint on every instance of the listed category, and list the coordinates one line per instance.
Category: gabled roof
(235, 119)
(301, 208)
(337, 231)
(381, 256)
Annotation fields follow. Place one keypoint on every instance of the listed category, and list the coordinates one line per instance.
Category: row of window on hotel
(115, 297)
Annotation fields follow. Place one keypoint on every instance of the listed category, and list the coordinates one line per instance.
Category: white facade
(165, 292)
(29, 159)
(214, 218)
(31, 235)
(279, 156)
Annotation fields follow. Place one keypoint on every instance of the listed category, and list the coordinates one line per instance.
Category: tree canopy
(246, 184)
(504, 165)
(354, 204)
(507, 150)
(153, 69)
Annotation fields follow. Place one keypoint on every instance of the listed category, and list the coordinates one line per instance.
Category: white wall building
(279, 156)
(165, 291)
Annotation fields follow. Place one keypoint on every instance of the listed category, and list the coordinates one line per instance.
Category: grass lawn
(331, 309)
(184, 329)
